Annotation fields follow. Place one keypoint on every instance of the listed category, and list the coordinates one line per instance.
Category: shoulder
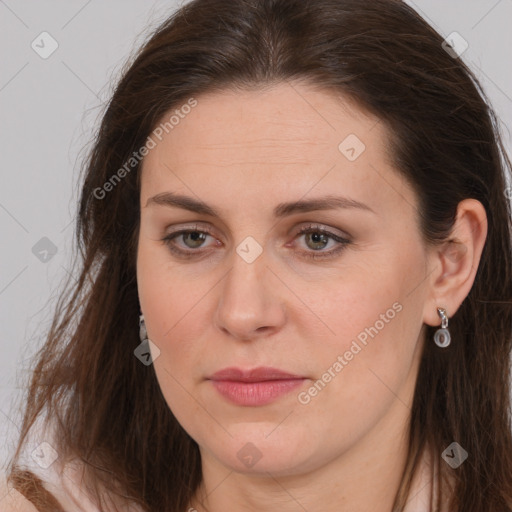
(11, 500)
(54, 476)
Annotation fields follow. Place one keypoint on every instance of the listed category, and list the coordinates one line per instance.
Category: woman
(296, 280)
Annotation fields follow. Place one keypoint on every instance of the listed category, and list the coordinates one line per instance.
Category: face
(270, 274)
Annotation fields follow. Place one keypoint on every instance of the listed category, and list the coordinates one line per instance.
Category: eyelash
(343, 242)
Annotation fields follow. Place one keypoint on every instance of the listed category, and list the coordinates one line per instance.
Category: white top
(41, 458)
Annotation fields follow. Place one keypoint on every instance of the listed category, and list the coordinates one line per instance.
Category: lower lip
(255, 393)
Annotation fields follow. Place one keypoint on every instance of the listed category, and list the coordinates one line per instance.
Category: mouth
(255, 387)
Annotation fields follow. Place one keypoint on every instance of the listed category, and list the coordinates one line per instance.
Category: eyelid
(196, 226)
(323, 228)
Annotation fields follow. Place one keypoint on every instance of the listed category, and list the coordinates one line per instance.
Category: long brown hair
(444, 138)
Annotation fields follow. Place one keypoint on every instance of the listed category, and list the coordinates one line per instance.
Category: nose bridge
(248, 304)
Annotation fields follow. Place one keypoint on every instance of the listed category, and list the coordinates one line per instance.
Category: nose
(250, 305)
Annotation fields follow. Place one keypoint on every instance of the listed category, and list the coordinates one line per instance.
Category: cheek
(364, 370)
(167, 296)
(172, 323)
(173, 304)
(373, 322)
(352, 301)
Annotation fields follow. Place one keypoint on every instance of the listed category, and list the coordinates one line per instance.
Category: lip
(254, 387)
(259, 374)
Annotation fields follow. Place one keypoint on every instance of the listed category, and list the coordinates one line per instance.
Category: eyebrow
(172, 199)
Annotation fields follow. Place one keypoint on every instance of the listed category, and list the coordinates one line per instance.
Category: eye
(195, 237)
(317, 238)
(192, 239)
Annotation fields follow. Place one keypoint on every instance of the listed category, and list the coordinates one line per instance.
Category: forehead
(288, 121)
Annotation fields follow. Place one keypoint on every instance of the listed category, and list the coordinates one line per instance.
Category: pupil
(317, 238)
(195, 236)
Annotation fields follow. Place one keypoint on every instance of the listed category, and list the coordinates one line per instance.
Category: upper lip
(260, 374)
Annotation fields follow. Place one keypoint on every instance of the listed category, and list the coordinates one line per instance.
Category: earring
(442, 336)
(143, 335)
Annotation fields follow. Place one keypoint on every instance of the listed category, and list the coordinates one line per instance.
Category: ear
(453, 265)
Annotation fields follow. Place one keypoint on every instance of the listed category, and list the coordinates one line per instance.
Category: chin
(255, 451)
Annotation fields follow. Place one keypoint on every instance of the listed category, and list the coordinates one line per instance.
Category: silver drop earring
(143, 335)
(442, 336)
(147, 351)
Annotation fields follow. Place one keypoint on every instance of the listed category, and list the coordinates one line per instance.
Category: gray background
(50, 107)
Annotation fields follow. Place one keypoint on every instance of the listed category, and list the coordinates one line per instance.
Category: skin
(243, 153)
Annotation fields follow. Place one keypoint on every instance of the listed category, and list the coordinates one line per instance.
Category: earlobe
(456, 261)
